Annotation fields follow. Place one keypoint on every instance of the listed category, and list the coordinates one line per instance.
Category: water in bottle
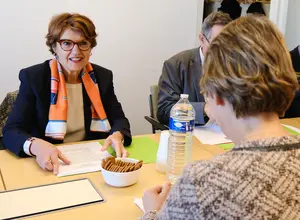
(182, 121)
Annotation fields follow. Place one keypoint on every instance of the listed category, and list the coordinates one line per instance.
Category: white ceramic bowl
(121, 179)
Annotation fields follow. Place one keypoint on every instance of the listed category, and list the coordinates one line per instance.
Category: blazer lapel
(87, 110)
(45, 89)
(44, 93)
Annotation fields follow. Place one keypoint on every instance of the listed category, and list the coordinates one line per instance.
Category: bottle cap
(184, 96)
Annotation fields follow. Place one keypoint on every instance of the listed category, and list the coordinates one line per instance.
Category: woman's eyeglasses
(68, 45)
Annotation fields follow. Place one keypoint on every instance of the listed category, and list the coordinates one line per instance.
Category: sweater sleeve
(182, 201)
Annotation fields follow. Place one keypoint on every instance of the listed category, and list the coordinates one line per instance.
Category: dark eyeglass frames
(68, 45)
(206, 38)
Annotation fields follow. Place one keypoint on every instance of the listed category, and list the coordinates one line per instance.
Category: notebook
(42, 199)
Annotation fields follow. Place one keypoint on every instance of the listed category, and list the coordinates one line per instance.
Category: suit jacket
(181, 74)
(295, 55)
(294, 109)
(29, 116)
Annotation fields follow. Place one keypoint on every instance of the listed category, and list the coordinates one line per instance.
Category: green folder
(145, 148)
(229, 146)
(141, 148)
(292, 132)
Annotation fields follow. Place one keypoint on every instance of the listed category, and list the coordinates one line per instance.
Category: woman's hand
(47, 155)
(116, 141)
(155, 197)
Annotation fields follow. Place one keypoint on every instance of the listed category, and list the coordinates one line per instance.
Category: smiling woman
(73, 52)
(60, 101)
(71, 39)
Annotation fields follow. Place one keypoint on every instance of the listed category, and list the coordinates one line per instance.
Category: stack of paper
(211, 133)
(85, 157)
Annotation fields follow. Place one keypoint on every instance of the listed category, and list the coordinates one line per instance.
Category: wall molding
(278, 13)
(200, 6)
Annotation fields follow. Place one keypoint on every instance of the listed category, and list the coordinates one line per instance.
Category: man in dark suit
(295, 56)
(182, 72)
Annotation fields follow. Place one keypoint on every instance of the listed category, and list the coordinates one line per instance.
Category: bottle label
(180, 126)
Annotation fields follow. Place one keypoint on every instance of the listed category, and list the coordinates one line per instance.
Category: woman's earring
(91, 54)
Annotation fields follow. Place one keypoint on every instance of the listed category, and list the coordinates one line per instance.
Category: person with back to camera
(66, 99)
(248, 82)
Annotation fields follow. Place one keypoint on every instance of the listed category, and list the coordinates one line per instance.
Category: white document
(42, 199)
(211, 133)
(85, 157)
(139, 203)
(292, 128)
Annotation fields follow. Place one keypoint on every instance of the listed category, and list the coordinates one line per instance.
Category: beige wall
(292, 31)
(135, 37)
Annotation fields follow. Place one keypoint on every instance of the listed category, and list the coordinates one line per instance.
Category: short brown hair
(248, 65)
(76, 22)
(215, 18)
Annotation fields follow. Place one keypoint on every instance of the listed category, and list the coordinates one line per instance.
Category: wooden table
(2, 187)
(296, 119)
(24, 172)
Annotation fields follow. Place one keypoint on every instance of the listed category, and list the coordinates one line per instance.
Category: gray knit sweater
(256, 180)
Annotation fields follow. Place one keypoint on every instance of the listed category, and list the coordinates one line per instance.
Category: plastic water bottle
(182, 122)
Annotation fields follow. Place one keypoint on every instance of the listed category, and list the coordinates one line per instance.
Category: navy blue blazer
(29, 116)
(294, 109)
(295, 56)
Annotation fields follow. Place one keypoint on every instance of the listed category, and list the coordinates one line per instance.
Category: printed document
(84, 157)
(211, 134)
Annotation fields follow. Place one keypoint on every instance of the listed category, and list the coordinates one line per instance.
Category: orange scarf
(57, 124)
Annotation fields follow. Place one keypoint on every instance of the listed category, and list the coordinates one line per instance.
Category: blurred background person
(256, 8)
(294, 110)
(231, 7)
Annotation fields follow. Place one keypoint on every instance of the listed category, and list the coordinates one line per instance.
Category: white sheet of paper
(292, 128)
(85, 158)
(139, 203)
(42, 199)
(211, 133)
